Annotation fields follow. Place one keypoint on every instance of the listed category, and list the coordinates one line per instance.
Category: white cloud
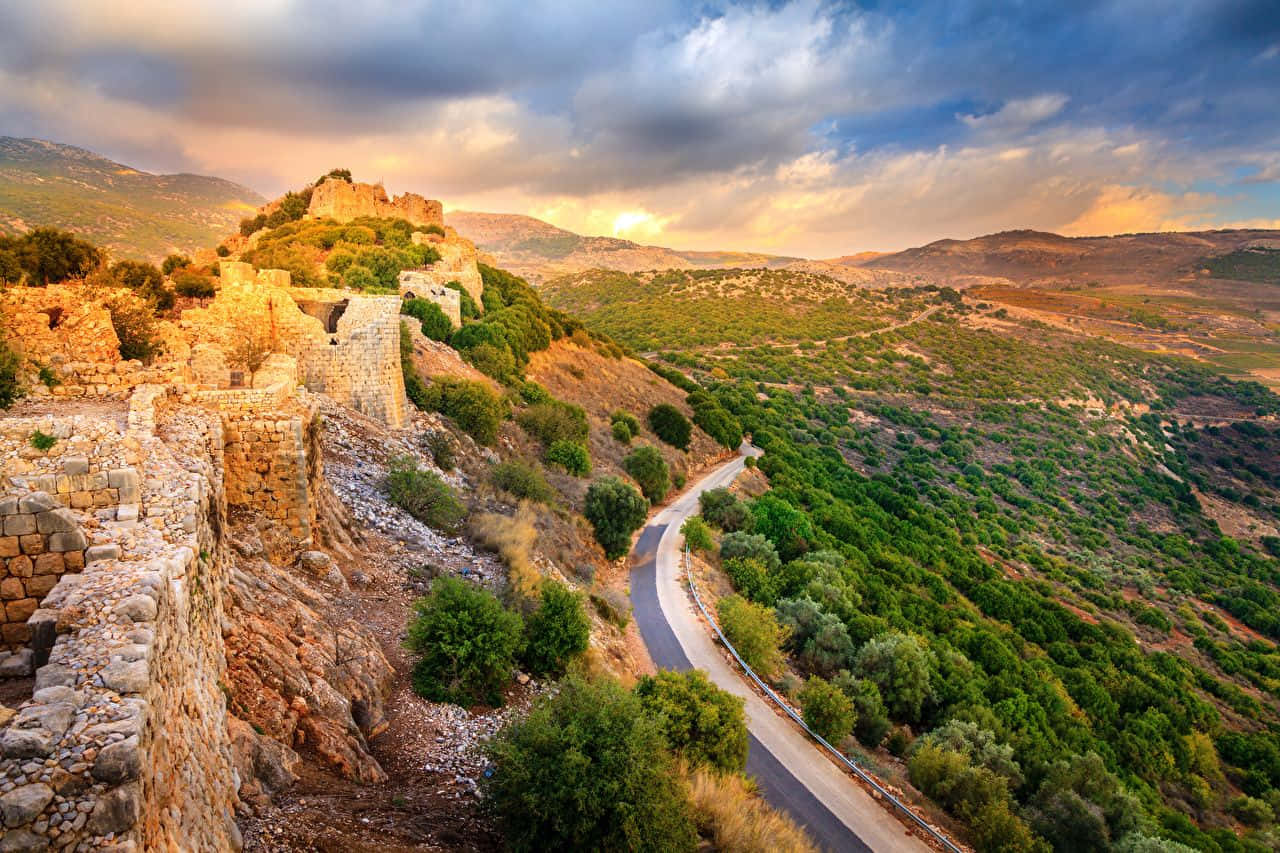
(1019, 114)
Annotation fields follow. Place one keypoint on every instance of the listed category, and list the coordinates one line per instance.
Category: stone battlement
(345, 201)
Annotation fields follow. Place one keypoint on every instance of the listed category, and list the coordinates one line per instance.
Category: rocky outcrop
(345, 201)
(458, 263)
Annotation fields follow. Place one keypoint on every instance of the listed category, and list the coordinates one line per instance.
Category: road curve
(838, 814)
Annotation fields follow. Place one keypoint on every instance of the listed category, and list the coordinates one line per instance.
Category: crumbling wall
(458, 262)
(41, 541)
(266, 459)
(415, 284)
(124, 743)
(343, 201)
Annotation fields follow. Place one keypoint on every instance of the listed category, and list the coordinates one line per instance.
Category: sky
(807, 128)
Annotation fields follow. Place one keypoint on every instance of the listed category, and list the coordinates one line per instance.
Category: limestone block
(22, 805)
(11, 589)
(31, 544)
(56, 521)
(20, 610)
(10, 546)
(51, 563)
(21, 567)
(74, 466)
(72, 540)
(20, 525)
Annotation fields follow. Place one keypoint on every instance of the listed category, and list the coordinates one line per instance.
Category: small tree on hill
(467, 643)
(826, 710)
(557, 631)
(670, 425)
(249, 345)
(588, 769)
(649, 469)
(615, 510)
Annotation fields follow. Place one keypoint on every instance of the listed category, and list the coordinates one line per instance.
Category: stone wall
(418, 285)
(40, 541)
(124, 743)
(458, 262)
(267, 468)
(343, 201)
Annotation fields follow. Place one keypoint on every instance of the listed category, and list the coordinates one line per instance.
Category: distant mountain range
(132, 213)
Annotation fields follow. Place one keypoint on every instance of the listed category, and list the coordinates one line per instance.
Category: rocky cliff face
(344, 201)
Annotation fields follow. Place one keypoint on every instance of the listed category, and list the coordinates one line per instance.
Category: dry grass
(738, 820)
(513, 538)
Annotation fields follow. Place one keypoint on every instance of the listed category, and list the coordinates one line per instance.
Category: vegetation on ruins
(422, 494)
(588, 769)
(615, 510)
(10, 375)
(466, 643)
(46, 255)
(435, 325)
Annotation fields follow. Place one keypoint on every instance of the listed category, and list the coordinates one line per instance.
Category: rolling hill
(130, 212)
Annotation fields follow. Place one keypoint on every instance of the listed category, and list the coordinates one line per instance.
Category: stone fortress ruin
(116, 482)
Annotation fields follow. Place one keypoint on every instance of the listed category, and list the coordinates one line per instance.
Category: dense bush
(615, 510)
(135, 326)
(10, 379)
(697, 535)
(174, 262)
(872, 720)
(647, 467)
(571, 456)
(754, 632)
(422, 494)
(45, 256)
(587, 769)
(557, 631)
(522, 481)
(715, 420)
(414, 388)
(702, 723)
(466, 643)
(787, 527)
(750, 576)
(826, 710)
(145, 280)
(670, 425)
(819, 639)
(723, 509)
(750, 545)
(435, 325)
(624, 422)
(193, 285)
(473, 406)
(554, 420)
(899, 665)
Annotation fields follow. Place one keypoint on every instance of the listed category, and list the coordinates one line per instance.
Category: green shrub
(749, 462)
(423, 495)
(531, 392)
(145, 280)
(193, 285)
(522, 481)
(702, 723)
(750, 545)
(443, 452)
(647, 467)
(1251, 811)
(557, 631)
(174, 262)
(466, 643)
(721, 508)
(750, 576)
(48, 255)
(571, 456)
(628, 420)
(899, 665)
(621, 432)
(872, 720)
(135, 327)
(414, 388)
(615, 511)
(473, 406)
(554, 421)
(697, 535)
(716, 422)
(754, 632)
(358, 277)
(435, 324)
(826, 710)
(11, 389)
(339, 261)
(42, 441)
(588, 769)
(47, 377)
(670, 425)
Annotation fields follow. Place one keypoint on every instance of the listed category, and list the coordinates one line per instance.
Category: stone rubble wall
(458, 262)
(266, 468)
(124, 743)
(40, 541)
(415, 284)
(343, 201)
(56, 322)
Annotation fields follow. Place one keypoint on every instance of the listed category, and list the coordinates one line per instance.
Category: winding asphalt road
(838, 814)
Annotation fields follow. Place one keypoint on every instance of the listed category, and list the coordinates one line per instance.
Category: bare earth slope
(131, 213)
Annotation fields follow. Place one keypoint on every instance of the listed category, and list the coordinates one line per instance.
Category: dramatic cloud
(802, 127)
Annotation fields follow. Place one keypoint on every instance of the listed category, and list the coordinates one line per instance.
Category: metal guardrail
(946, 843)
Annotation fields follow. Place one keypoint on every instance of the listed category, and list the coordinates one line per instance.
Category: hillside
(1031, 257)
(132, 213)
(539, 250)
(1076, 540)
